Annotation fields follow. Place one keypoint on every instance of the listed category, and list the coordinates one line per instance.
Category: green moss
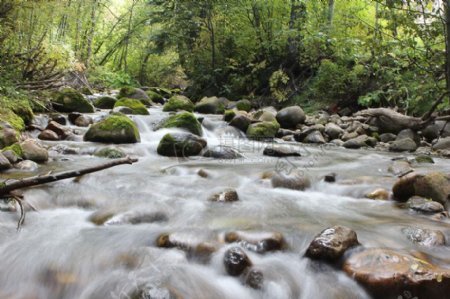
(125, 92)
(12, 118)
(16, 148)
(155, 97)
(184, 120)
(263, 129)
(244, 105)
(229, 115)
(11, 109)
(135, 105)
(105, 102)
(181, 146)
(110, 153)
(424, 159)
(114, 129)
(178, 102)
(70, 100)
(210, 105)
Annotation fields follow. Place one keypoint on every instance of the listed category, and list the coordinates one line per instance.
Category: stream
(60, 253)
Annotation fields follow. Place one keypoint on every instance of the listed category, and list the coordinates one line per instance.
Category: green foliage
(278, 85)
(135, 105)
(102, 76)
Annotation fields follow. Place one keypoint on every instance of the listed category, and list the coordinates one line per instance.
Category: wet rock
(331, 244)
(284, 132)
(105, 102)
(180, 145)
(403, 145)
(280, 151)
(4, 163)
(134, 93)
(72, 116)
(387, 137)
(154, 293)
(83, 121)
(387, 274)
(110, 153)
(424, 206)
(136, 106)
(201, 251)
(8, 136)
(113, 129)
(379, 194)
(225, 196)
(228, 115)
(330, 178)
(183, 120)
(314, 137)
(178, 102)
(400, 167)
(122, 110)
(101, 216)
(34, 151)
(48, 135)
(442, 144)
(236, 261)
(27, 165)
(290, 117)
(59, 129)
(431, 132)
(59, 118)
(408, 133)
(424, 237)
(295, 181)
(424, 159)
(434, 185)
(69, 100)
(333, 131)
(262, 115)
(349, 135)
(155, 96)
(242, 122)
(263, 130)
(202, 173)
(222, 152)
(137, 217)
(212, 105)
(244, 105)
(257, 242)
(254, 278)
(12, 157)
(360, 141)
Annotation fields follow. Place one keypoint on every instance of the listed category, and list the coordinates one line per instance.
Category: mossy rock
(113, 129)
(180, 145)
(69, 100)
(229, 115)
(165, 92)
(105, 102)
(134, 93)
(155, 97)
(263, 130)
(178, 102)
(135, 105)
(15, 148)
(110, 153)
(16, 111)
(183, 120)
(244, 105)
(8, 135)
(212, 105)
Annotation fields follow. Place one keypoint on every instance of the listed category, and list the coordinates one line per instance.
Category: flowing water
(61, 254)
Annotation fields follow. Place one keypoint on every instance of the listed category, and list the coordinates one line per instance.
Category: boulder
(27, 165)
(4, 163)
(33, 151)
(225, 196)
(434, 185)
(442, 144)
(59, 129)
(83, 121)
(244, 105)
(212, 105)
(8, 136)
(333, 131)
(178, 102)
(388, 274)
(424, 237)
(48, 135)
(236, 261)
(59, 118)
(228, 115)
(403, 145)
(122, 110)
(134, 93)
(155, 97)
(110, 153)
(69, 100)
(387, 137)
(183, 120)
(408, 133)
(12, 157)
(263, 130)
(105, 102)
(331, 244)
(290, 117)
(113, 129)
(242, 122)
(360, 141)
(262, 115)
(180, 145)
(72, 116)
(222, 152)
(424, 206)
(294, 181)
(314, 137)
(280, 151)
(136, 106)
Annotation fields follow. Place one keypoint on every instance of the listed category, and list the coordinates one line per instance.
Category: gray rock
(27, 165)
(280, 151)
(424, 237)
(226, 196)
(290, 117)
(222, 152)
(294, 181)
(122, 109)
(34, 151)
(8, 136)
(241, 122)
(403, 145)
(83, 121)
(442, 144)
(4, 163)
(424, 206)
(333, 131)
(360, 141)
(314, 137)
(48, 135)
(180, 145)
(408, 133)
(387, 137)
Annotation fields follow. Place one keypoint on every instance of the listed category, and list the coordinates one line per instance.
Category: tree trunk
(447, 44)
(91, 33)
(330, 13)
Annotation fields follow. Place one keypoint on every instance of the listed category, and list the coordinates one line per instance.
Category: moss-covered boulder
(155, 97)
(14, 148)
(105, 102)
(212, 105)
(228, 115)
(134, 93)
(8, 135)
(244, 105)
(178, 102)
(70, 100)
(136, 106)
(165, 92)
(110, 153)
(263, 129)
(113, 129)
(183, 120)
(180, 145)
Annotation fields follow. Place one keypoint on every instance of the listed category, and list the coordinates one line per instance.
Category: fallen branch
(391, 121)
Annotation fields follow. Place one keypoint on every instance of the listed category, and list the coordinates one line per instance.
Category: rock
(178, 102)
(152, 292)
(263, 130)
(280, 151)
(59, 118)
(134, 93)
(105, 102)
(262, 115)
(294, 181)
(422, 159)
(12, 157)
(290, 117)
(202, 173)
(425, 206)
(424, 237)
(348, 136)
(360, 141)
(330, 178)
(314, 137)
(257, 242)
(199, 251)
(331, 244)
(408, 133)
(236, 261)
(122, 110)
(155, 97)
(183, 120)
(222, 152)
(431, 132)
(113, 129)
(442, 144)
(400, 168)
(228, 115)
(4, 163)
(225, 196)
(48, 135)
(136, 106)
(387, 137)
(434, 185)
(254, 279)
(110, 153)
(27, 165)
(60, 130)
(378, 194)
(244, 105)
(136, 217)
(69, 100)
(33, 151)
(83, 121)
(403, 145)
(180, 145)
(73, 116)
(210, 106)
(241, 122)
(333, 131)
(387, 274)
(8, 136)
